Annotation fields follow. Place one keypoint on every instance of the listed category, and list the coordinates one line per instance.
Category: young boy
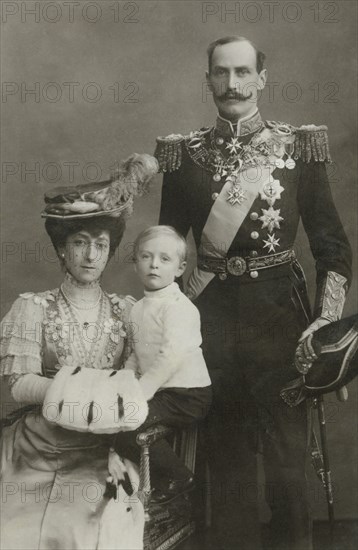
(166, 356)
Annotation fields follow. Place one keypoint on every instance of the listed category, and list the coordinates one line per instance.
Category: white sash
(224, 221)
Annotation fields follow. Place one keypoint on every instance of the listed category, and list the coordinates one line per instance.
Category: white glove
(116, 467)
(318, 323)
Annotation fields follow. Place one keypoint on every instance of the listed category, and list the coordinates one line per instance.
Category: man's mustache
(235, 95)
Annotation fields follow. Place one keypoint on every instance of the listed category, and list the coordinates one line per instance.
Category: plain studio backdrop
(85, 84)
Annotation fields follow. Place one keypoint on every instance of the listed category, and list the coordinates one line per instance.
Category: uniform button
(253, 254)
(219, 141)
(214, 196)
(254, 216)
(254, 235)
(216, 177)
(254, 274)
(222, 276)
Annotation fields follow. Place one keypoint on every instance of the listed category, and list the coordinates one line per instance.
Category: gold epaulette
(168, 152)
(312, 142)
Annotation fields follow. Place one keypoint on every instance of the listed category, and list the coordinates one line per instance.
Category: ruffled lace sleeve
(21, 336)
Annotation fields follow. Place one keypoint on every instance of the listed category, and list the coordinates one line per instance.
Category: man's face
(234, 80)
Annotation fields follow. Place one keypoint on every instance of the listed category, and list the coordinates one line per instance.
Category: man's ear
(208, 81)
(262, 79)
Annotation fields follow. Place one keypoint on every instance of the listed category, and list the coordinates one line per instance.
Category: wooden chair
(169, 524)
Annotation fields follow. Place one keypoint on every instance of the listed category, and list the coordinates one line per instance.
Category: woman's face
(86, 255)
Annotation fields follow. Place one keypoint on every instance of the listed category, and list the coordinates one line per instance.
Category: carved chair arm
(145, 439)
(152, 434)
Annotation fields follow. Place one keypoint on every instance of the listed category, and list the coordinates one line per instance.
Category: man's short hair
(260, 56)
(159, 231)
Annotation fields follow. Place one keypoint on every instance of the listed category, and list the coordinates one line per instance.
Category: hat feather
(131, 179)
(112, 197)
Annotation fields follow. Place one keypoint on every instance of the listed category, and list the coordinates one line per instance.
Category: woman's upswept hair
(60, 230)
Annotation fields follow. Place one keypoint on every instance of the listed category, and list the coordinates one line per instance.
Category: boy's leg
(175, 408)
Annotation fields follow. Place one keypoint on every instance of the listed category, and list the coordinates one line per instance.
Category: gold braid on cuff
(333, 296)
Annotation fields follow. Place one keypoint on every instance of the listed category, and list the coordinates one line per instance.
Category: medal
(290, 163)
(271, 192)
(271, 219)
(279, 163)
(271, 242)
(236, 195)
(234, 146)
(278, 150)
(220, 170)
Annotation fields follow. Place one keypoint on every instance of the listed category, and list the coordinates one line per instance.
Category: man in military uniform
(242, 186)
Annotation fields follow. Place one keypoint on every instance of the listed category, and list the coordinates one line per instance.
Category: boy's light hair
(158, 231)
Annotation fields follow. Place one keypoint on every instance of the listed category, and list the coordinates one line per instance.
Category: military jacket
(198, 167)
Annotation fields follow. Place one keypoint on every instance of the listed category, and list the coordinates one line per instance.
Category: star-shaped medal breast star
(271, 242)
(270, 218)
(271, 192)
(234, 146)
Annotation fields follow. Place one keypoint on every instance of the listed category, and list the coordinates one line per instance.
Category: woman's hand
(116, 468)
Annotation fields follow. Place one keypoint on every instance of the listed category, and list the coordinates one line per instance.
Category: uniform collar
(246, 125)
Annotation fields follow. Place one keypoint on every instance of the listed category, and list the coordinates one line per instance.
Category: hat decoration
(112, 197)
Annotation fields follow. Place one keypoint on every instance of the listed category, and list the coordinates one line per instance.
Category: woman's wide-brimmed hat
(112, 197)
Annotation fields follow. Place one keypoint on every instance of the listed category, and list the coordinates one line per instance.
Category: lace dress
(53, 479)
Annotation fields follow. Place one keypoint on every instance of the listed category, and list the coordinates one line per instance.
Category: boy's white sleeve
(181, 335)
(132, 363)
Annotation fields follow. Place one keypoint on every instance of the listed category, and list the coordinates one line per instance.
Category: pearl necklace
(87, 357)
(83, 308)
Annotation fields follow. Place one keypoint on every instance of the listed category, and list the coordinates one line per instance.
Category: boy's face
(158, 262)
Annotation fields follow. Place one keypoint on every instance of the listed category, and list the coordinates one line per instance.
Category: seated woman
(53, 479)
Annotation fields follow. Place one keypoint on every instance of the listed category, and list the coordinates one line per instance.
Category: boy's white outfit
(172, 373)
(166, 342)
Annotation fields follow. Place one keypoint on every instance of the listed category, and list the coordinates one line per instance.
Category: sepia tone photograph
(179, 300)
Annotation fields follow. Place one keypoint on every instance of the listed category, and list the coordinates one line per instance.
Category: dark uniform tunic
(251, 321)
